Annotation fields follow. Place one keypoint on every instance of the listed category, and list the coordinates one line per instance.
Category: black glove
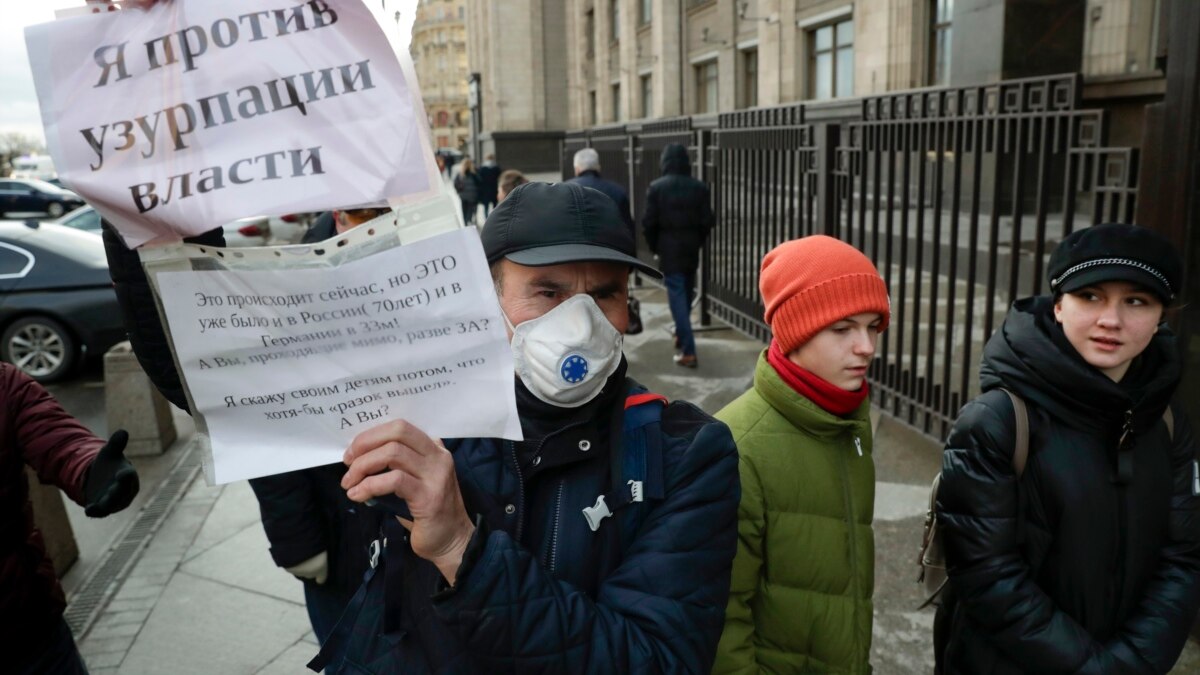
(111, 482)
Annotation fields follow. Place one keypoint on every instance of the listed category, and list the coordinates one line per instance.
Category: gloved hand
(315, 568)
(111, 482)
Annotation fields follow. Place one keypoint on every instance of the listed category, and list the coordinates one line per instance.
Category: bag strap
(636, 460)
(1021, 416)
(1169, 419)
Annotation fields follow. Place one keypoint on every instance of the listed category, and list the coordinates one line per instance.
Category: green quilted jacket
(800, 600)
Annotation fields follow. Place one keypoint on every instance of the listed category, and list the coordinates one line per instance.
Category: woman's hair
(510, 179)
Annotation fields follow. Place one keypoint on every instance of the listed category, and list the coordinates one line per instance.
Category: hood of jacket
(1031, 356)
(675, 160)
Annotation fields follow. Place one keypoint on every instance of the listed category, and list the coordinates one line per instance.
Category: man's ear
(1058, 310)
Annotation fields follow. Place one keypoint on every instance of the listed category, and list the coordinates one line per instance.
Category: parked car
(83, 218)
(35, 196)
(57, 303)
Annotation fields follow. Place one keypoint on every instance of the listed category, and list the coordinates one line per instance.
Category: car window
(7, 185)
(83, 219)
(14, 261)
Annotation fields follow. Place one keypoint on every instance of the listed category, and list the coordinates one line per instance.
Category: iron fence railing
(956, 194)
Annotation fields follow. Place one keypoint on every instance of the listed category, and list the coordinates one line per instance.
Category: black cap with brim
(541, 224)
(569, 253)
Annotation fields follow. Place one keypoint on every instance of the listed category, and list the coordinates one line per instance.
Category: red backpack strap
(638, 399)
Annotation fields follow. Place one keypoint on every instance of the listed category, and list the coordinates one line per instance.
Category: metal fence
(956, 194)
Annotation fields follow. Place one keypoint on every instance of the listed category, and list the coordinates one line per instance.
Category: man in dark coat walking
(587, 174)
(676, 223)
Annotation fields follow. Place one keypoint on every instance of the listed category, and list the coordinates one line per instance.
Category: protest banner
(284, 368)
(176, 119)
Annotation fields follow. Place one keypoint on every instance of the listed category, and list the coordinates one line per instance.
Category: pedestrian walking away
(489, 184)
(36, 432)
(676, 222)
(800, 600)
(469, 189)
(601, 542)
(1088, 561)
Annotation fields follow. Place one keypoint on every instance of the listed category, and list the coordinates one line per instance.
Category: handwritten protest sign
(193, 113)
(286, 368)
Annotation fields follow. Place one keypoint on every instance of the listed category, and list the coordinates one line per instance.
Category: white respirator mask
(565, 356)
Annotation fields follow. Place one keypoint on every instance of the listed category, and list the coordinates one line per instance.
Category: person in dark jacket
(469, 188)
(677, 219)
(36, 432)
(489, 184)
(1090, 561)
(315, 533)
(511, 561)
(587, 173)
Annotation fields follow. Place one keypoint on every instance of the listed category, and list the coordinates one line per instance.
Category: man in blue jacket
(539, 556)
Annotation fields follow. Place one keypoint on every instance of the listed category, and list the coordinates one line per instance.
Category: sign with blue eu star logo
(574, 369)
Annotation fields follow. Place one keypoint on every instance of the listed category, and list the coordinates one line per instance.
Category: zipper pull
(858, 446)
(1195, 478)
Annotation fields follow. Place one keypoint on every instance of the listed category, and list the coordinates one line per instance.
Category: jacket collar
(802, 413)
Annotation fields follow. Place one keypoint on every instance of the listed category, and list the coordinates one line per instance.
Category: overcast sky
(18, 98)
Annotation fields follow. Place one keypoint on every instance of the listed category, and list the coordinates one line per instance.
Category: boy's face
(841, 352)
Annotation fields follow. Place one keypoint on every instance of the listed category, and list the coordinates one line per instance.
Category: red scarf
(829, 397)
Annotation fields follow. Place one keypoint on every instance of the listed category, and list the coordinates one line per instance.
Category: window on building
(616, 18)
(831, 60)
(443, 118)
(647, 97)
(589, 27)
(593, 113)
(706, 87)
(647, 11)
(749, 93)
(616, 102)
(941, 23)
(461, 13)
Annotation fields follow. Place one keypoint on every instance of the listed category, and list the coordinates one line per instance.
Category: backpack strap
(1021, 417)
(637, 473)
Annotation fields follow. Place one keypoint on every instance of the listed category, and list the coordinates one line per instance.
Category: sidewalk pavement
(200, 594)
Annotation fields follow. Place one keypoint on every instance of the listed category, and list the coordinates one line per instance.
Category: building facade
(439, 52)
(626, 60)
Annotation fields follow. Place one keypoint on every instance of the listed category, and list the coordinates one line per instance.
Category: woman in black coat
(1089, 562)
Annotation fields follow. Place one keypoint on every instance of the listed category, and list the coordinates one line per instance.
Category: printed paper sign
(179, 118)
(287, 368)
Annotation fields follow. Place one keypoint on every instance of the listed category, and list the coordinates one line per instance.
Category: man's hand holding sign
(397, 458)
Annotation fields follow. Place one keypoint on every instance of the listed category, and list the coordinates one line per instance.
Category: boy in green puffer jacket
(803, 577)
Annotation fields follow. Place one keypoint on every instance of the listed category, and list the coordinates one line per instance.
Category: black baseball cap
(1116, 252)
(540, 224)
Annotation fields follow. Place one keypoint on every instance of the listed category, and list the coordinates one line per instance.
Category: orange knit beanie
(808, 284)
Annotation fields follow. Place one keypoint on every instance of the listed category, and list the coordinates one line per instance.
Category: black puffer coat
(1082, 568)
(678, 214)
